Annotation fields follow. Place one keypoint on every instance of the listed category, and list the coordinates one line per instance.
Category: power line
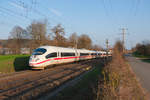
(16, 21)
(50, 15)
(13, 12)
(137, 6)
(104, 5)
(30, 8)
(110, 2)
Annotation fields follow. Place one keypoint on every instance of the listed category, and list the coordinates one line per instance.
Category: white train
(50, 55)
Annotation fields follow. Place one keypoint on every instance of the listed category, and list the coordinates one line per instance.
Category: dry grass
(119, 82)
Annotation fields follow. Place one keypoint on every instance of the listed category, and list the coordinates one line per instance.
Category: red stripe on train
(59, 59)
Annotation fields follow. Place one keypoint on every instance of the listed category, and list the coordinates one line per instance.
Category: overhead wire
(10, 15)
(104, 5)
(13, 12)
(54, 18)
(109, 12)
(34, 10)
(137, 7)
(30, 8)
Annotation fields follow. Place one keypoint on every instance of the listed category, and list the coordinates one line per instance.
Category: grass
(144, 58)
(12, 63)
(83, 90)
(140, 56)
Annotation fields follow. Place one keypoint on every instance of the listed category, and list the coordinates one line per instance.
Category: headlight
(30, 59)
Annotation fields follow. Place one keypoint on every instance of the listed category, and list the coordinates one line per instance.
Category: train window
(64, 54)
(84, 54)
(92, 53)
(99, 53)
(39, 51)
(51, 55)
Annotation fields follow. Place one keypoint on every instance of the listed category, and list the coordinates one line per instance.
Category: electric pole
(107, 46)
(76, 43)
(123, 38)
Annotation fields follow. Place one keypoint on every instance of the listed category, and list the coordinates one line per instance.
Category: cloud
(56, 12)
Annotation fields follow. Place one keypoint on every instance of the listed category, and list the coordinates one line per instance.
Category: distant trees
(16, 39)
(96, 47)
(73, 39)
(59, 34)
(37, 34)
(142, 49)
(84, 41)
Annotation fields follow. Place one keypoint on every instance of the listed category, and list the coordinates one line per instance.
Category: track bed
(33, 84)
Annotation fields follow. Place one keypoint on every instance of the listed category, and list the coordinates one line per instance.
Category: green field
(12, 63)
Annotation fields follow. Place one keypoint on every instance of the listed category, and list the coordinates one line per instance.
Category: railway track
(32, 84)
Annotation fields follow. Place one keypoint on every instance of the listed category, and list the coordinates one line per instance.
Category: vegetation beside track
(115, 81)
(119, 81)
(12, 63)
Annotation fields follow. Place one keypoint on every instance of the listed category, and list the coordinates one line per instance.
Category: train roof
(55, 48)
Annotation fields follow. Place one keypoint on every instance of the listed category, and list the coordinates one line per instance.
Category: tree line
(142, 48)
(38, 33)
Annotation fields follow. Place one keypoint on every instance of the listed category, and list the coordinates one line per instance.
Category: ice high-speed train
(51, 55)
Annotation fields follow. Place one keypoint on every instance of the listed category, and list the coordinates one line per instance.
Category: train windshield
(39, 51)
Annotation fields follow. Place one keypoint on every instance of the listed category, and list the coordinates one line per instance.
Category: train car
(103, 53)
(51, 55)
(98, 54)
(109, 53)
(84, 54)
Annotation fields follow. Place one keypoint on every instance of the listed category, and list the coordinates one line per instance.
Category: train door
(76, 55)
(58, 57)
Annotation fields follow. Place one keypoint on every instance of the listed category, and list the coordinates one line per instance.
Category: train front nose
(33, 60)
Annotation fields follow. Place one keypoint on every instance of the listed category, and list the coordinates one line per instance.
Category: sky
(100, 19)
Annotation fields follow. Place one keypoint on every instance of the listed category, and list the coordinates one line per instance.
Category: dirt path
(142, 71)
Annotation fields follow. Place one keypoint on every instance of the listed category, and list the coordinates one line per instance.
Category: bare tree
(96, 47)
(16, 37)
(84, 41)
(73, 39)
(59, 34)
(37, 31)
